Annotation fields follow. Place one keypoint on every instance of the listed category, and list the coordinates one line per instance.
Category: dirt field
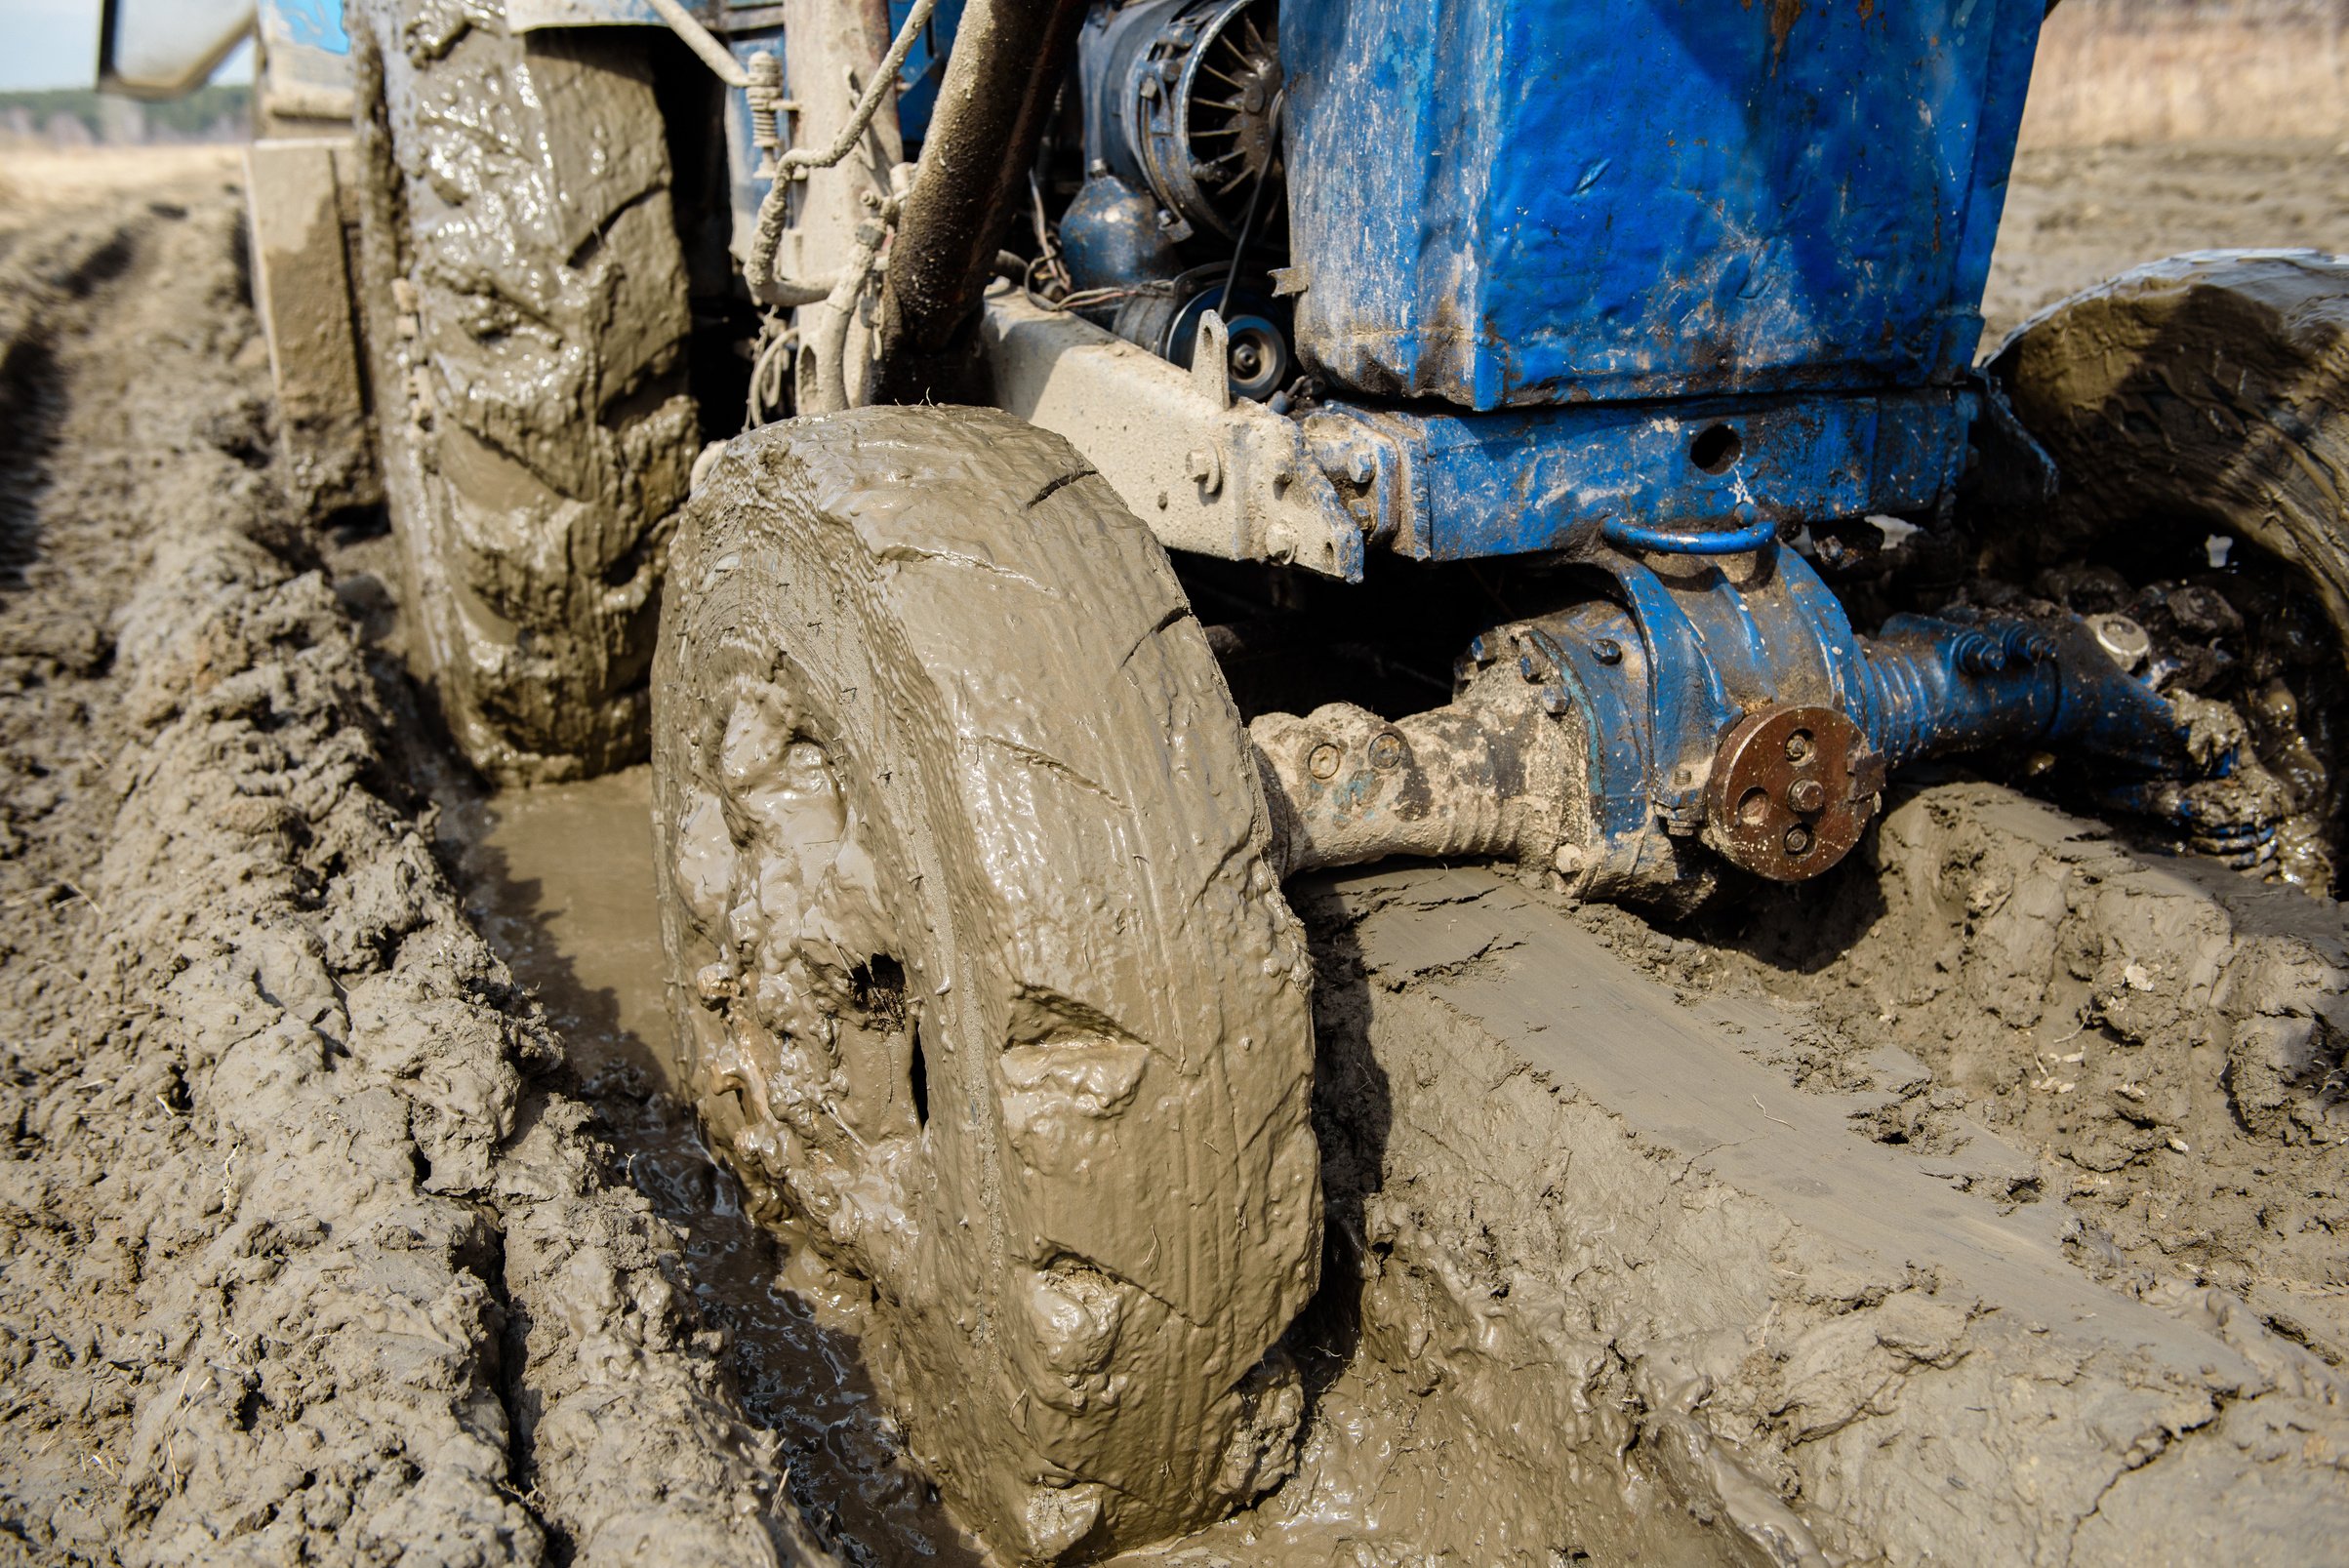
(346, 1220)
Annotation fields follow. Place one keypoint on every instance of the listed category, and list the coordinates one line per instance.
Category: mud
(559, 879)
(1613, 1201)
(1979, 1204)
(308, 1258)
(524, 298)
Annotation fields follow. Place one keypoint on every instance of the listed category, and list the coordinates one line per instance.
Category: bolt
(1385, 752)
(1527, 669)
(2123, 638)
(1607, 651)
(1798, 747)
(1479, 648)
(1362, 467)
(1205, 467)
(1806, 794)
(1323, 762)
(1798, 840)
(1553, 701)
(1570, 859)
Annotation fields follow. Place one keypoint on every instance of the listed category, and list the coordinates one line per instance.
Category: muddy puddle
(560, 879)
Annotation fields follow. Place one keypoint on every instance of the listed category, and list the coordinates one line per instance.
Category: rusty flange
(1792, 789)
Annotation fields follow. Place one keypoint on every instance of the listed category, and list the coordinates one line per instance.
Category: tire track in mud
(307, 1256)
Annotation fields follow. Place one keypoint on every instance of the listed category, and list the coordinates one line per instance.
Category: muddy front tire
(525, 299)
(982, 979)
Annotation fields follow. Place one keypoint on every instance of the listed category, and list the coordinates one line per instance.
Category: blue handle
(1688, 541)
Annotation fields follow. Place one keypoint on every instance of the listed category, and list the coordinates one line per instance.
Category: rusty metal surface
(1792, 790)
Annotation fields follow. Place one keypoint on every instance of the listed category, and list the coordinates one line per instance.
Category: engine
(1183, 207)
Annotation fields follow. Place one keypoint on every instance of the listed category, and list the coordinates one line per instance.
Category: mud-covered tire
(2209, 394)
(981, 976)
(524, 294)
(2206, 391)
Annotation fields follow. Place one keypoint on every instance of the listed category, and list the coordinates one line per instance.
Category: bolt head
(1386, 751)
(1607, 651)
(1570, 859)
(1806, 794)
(1322, 761)
(1798, 747)
(1798, 840)
(2122, 638)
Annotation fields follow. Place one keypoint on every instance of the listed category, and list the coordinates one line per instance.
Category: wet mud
(308, 1255)
(559, 879)
(1979, 1204)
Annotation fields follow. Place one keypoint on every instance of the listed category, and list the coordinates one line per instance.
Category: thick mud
(1981, 1204)
(559, 879)
(308, 1258)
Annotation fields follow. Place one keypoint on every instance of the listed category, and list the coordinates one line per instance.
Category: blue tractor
(1089, 461)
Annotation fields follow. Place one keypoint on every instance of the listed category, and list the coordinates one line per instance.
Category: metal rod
(714, 54)
(1007, 64)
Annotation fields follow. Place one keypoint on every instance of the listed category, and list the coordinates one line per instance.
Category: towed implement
(1036, 477)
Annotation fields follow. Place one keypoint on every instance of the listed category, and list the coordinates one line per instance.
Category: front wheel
(982, 979)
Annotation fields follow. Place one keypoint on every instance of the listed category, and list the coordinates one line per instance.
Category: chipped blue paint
(1519, 482)
(1510, 202)
(308, 23)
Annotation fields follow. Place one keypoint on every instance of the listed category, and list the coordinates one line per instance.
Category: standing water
(561, 880)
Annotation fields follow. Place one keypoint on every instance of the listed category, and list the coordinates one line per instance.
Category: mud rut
(344, 1220)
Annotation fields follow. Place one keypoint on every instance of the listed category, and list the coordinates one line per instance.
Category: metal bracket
(1204, 472)
(1211, 360)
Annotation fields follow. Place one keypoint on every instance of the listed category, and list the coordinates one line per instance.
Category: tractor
(1035, 475)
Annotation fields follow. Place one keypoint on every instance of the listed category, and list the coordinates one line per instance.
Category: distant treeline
(70, 115)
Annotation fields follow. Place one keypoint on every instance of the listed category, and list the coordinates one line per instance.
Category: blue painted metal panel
(925, 65)
(1518, 482)
(1505, 202)
(306, 23)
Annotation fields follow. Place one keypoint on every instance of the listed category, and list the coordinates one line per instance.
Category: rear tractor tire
(983, 983)
(525, 295)
(2208, 395)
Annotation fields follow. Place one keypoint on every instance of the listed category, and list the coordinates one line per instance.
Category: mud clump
(2163, 1035)
(308, 1257)
(1636, 1237)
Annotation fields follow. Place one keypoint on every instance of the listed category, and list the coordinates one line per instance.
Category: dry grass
(2144, 71)
(36, 178)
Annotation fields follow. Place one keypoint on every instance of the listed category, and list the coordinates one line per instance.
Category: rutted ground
(315, 1250)
(308, 1258)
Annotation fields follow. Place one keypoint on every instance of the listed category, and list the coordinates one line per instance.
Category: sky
(54, 42)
